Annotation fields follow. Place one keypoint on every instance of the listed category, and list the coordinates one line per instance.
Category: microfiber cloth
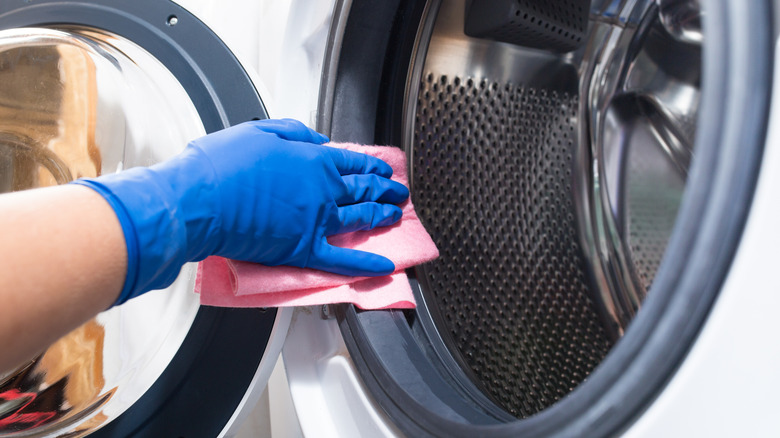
(229, 283)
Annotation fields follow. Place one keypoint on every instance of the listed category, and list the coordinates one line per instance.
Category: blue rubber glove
(266, 191)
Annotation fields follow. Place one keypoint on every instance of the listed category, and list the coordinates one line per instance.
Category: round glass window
(78, 102)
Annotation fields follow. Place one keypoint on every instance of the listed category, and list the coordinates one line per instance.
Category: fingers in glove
(366, 216)
(350, 262)
(290, 129)
(370, 188)
(349, 163)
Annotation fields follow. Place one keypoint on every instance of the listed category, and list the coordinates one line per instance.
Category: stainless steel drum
(551, 183)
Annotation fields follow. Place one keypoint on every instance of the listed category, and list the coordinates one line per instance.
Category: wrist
(128, 231)
(155, 237)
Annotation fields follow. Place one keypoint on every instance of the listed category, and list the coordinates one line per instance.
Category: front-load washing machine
(599, 177)
(92, 87)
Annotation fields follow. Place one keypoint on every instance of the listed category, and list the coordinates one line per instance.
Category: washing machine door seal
(362, 100)
(199, 391)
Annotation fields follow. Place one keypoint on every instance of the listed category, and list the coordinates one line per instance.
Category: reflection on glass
(48, 103)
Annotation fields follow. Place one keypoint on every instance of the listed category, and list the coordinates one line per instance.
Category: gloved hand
(266, 191)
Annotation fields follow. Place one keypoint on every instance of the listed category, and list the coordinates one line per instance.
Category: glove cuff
(128, 229)
(156, 239)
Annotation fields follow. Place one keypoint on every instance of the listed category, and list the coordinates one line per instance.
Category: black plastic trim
(737, 67)
(356, 95)
(202, 386)
(205, 381)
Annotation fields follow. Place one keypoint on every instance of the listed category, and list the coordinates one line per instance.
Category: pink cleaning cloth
(230, 283)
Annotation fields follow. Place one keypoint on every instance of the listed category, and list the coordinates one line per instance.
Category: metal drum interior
(76, 102)
(550, 182)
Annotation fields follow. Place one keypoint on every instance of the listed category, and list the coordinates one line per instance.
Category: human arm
(266, 192)
(63, 261)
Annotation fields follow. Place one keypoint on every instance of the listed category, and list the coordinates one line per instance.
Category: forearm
(62, 260)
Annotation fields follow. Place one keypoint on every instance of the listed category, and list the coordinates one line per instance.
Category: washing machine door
(88, 88)
(586, 169)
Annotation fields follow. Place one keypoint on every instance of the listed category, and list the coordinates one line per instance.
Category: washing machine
(598, 176)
